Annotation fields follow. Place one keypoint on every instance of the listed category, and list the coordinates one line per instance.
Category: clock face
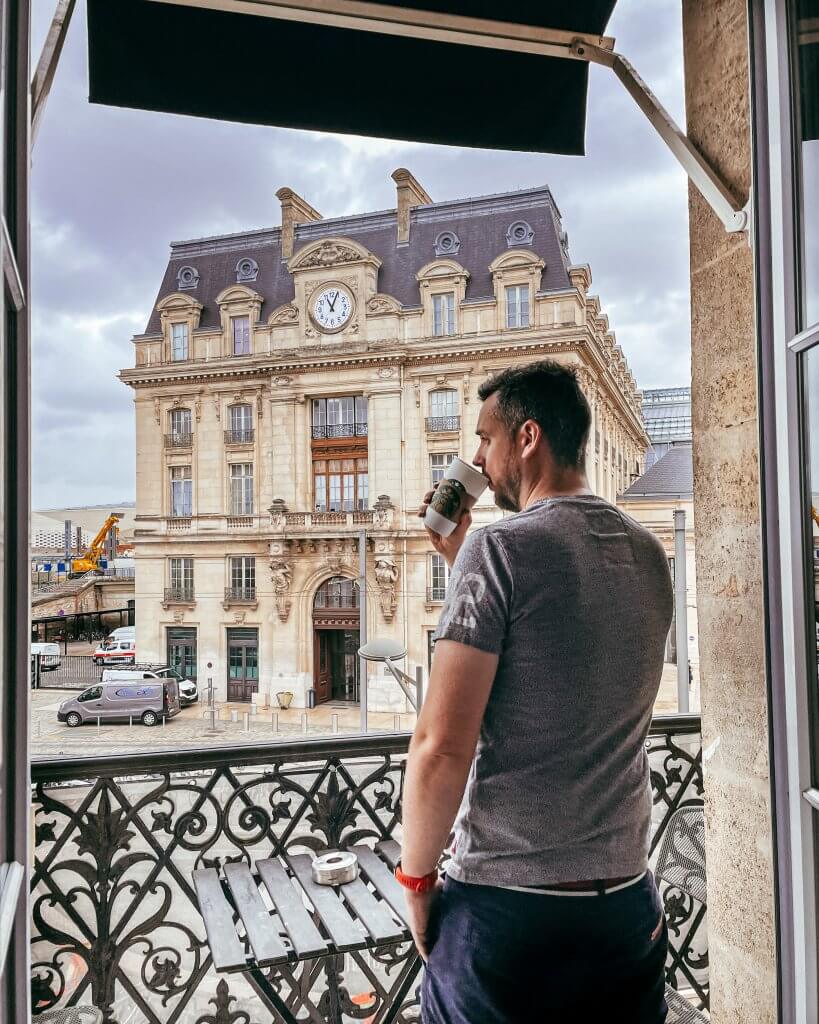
(332, 308)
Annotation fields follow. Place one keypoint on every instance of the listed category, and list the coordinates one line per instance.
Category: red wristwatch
(425, 884)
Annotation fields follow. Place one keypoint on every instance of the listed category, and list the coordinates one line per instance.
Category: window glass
(443, 403)
(180, 572)
(241, 489)
(811, 424)
(243, 575)
(438, 578)
(180, 422)
(181, 491)
(807, 33)
(517, 305)
(241, 423)
(443, 314)
(241, 335)
(179, 341)
(439, 462)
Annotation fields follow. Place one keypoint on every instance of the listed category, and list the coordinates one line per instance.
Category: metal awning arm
(701, 173)
(47, 64)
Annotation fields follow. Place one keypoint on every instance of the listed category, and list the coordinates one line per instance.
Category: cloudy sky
(111, 189)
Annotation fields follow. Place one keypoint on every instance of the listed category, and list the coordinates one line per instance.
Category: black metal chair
(681, 863)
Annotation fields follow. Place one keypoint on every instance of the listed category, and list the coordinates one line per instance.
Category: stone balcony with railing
(114, 917)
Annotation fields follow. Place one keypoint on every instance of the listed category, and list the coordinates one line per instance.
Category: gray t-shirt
(575, 597)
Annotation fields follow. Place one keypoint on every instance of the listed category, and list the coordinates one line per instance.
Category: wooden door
(322, 676)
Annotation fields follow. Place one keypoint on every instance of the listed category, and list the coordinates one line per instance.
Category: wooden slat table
(275, 915)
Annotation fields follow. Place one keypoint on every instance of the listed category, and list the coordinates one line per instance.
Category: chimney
(294, 211)
(410, 193)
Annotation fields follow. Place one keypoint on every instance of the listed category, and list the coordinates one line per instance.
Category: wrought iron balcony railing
(179, 439)
(237, 595)
(240, 435)
(179, 595)
(442, 424)
(114, 917)
(436, 595)
(325, 430)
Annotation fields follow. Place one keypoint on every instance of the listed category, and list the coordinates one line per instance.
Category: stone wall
(729, 548)
(96, 595)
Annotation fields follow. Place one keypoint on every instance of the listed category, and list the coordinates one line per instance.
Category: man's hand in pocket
(422, 908)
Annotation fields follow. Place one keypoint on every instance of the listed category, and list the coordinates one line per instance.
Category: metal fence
(74, 672)
(88, 626)
(114, 914)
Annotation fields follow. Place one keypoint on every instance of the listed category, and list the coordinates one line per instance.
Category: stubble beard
(507, 491)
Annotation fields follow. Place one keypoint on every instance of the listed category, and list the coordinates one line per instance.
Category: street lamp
(385, 651)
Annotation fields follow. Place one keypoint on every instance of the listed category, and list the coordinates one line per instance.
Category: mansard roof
(204, 267)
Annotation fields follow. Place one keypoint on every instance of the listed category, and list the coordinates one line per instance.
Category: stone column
(729, 562)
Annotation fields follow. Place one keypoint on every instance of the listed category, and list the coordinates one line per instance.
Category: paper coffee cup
(460, 488)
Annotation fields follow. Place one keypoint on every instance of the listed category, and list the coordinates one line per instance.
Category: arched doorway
(335, 640)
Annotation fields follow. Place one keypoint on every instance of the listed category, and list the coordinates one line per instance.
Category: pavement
(192, 728)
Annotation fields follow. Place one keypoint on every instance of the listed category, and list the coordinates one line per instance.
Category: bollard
(98, 725)
(246, 724)
(274, 721)
(130, 721)
(234, 714)
(304, 722)
(334, 720)
(396, 723)
(254, 709)
(163, 721)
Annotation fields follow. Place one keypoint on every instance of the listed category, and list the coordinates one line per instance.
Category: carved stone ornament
(385, 372)
(282, 575)
(156, 410)
(386, 574)
(197, 406)
(327, 254)
(217, 403)
(239, 618)
(179, 615)
(277, 513)
(288, 314)
(282, 381)
(383, 304)
(382, 512)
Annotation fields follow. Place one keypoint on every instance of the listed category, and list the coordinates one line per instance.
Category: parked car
(188, 690)
(116, 652)
(49, 655)
(120, 633)
(146, 700)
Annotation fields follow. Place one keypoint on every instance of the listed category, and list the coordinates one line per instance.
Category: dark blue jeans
(501, 956)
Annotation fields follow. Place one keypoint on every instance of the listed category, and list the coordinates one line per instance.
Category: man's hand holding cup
(446, 510)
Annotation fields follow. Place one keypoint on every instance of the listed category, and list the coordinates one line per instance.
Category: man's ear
(530, 437)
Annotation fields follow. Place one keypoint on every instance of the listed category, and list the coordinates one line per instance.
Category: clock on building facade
(331, 308)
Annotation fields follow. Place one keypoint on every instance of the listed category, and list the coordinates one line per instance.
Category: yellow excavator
(89, 560)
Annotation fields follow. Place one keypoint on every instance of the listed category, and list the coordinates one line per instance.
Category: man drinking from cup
(531, 740)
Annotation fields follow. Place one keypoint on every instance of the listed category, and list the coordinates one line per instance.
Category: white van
(120, 651)
(122, 633)
(188, 690)
(49, 655)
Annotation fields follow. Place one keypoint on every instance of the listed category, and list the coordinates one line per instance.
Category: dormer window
(179, 342)
(188, 277)
(443, 314)
(240, 330)
(517, 305)
(247, 269)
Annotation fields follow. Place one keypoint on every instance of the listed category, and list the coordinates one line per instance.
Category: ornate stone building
(300, 384)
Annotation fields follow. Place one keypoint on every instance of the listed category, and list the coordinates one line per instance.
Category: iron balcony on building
(137, 949)
(240, 435)
(179, 595)
(333, 430)
(442, 424)
(179, 440)
(240, 595)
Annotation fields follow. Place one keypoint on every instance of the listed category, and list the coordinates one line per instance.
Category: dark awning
(261, 70)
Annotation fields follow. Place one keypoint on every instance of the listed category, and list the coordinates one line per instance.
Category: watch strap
(425, 884)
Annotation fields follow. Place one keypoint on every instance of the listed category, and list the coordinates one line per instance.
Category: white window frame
(180, 342)
(443, 314)
(177, 480)
(241, 483)
(446, 460)
(438, 569)
(517, 306)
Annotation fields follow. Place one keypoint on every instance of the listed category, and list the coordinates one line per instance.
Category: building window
(179, 341)
(337, 592)
(443, 314)
(181, 650)
(180, 429)
(181, 492)
(517, 305)
(438, 578)
(241, 489)
(443, 411)
(242, 578)
(439, 463)
(180, 576)
(240, 329)
(340, 485)
(430, 648)
(241, 425)
(340, 417)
